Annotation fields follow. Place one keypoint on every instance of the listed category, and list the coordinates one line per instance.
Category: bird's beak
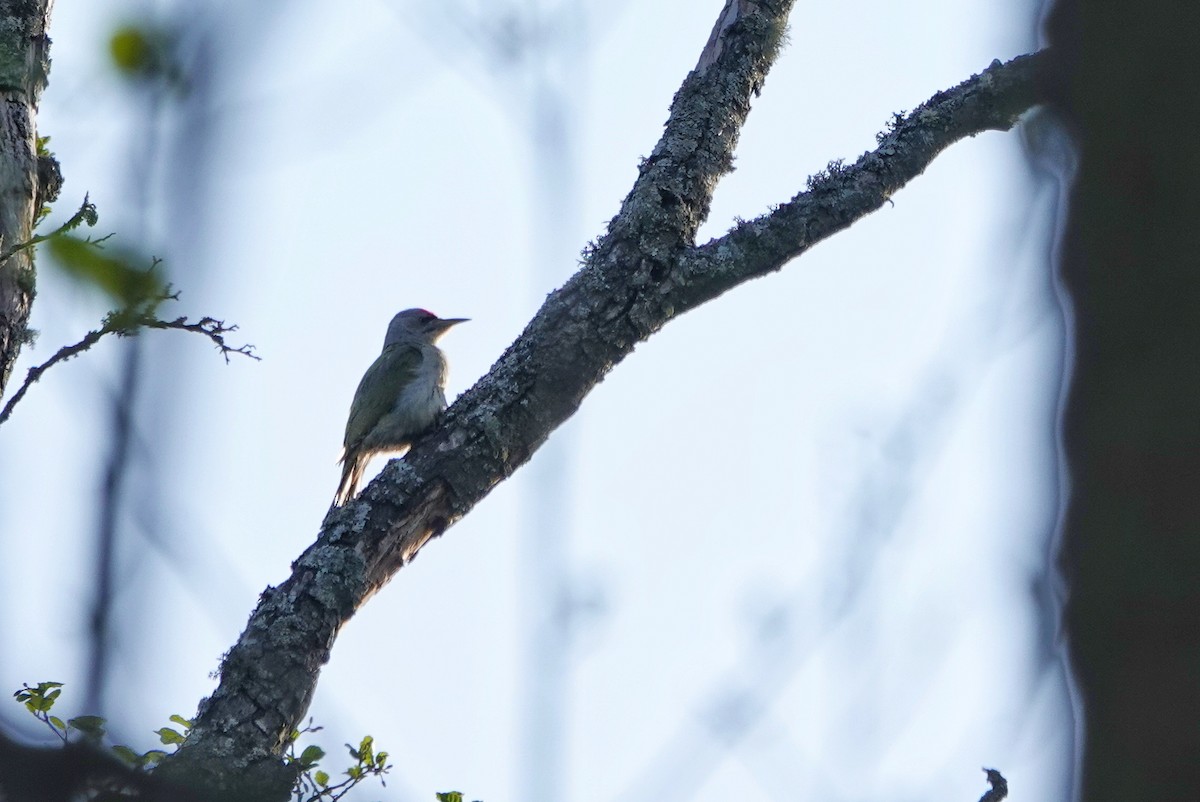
(447, 322)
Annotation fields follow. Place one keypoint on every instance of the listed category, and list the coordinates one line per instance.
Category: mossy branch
(86, 214)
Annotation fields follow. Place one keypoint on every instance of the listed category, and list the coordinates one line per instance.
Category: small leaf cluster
(39, 701)
(450, 796)
(313, 784)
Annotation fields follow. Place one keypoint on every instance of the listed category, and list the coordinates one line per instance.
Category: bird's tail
(353, 465)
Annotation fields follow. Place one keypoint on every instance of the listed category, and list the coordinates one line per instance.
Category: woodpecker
(400, 396)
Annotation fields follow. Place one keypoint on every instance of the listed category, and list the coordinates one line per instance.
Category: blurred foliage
(143, 52)
(87, 262)
(131, 49)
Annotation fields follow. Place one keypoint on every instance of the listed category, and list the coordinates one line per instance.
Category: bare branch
(210, 327)
(643, 272)
(127, 324)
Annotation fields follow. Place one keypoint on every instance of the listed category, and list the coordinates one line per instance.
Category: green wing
(377, 392)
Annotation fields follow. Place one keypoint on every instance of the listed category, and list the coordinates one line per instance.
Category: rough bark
(638, 276)
(24, 66)
(1131, 424)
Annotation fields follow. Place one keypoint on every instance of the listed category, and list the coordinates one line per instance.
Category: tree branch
(72, 771)
(840, 196)
(643, 272)
(85, 214)
(128, 324)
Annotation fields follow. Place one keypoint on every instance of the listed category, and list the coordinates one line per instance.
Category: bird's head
(418, 325)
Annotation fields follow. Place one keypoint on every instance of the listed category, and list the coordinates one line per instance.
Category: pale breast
(422, 399)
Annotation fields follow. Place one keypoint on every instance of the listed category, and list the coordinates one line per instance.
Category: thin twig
(126, 324)
(86, 214)
(210, 327)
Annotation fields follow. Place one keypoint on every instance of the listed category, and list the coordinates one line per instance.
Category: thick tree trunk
(24, 65)
(1131, 426)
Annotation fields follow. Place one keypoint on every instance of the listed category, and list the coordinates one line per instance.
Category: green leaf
(57, 722)
(114, 275)
(310, 756)
(322, 778)
(366, 749)
(450, 796)
(127, 755)
(169, 736)
(182, 722)
(90, 726)
(152, 758)
(87, 722)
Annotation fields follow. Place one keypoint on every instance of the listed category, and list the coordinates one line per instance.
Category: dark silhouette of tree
(1131, 536)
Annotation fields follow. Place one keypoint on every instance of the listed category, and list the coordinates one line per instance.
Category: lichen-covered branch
(841, 195)
(638, 276)
(24, 65)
